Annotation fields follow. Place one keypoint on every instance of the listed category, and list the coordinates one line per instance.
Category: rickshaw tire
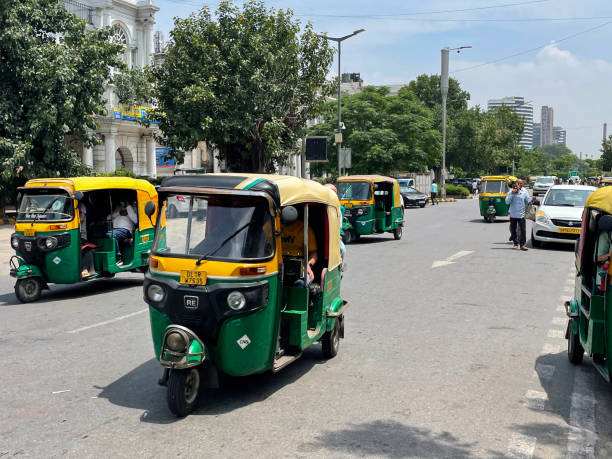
(575, 351)
(397, 233)
(178, 401)
(331, 342)
(28, 290)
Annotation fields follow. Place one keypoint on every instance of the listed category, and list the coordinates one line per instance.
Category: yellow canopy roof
(95, 183)
(601, 199)
(507, 178)
(397, 197)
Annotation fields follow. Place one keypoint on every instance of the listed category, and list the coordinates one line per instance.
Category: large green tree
(53, 72)
(606, 154)
(244, 79)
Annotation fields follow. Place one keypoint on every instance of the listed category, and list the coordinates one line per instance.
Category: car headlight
(542, 218)
(15, 242)
(51, 243)
(155, 293)
(176, 341)
(236, 300)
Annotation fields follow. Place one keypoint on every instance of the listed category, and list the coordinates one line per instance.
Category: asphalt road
(454, 348)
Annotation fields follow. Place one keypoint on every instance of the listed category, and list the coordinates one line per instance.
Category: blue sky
(403, 39)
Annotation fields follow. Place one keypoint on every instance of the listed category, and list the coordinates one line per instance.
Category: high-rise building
(537, 135)
(547, 120)
(559, 135)
(523, 110)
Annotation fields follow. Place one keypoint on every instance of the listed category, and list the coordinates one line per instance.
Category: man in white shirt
(124, 222)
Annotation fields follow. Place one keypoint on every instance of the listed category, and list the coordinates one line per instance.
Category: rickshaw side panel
(159, 322)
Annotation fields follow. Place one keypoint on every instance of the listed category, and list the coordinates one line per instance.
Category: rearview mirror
(78, 195)
(288, 215)
(149, 209)
(605, 223)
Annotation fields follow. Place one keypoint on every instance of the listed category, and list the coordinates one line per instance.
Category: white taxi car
(559, 217)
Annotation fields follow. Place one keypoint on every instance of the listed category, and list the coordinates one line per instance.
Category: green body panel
(376, 221)
(501, 208)
(134, 256)
(24, 271)
(159, 322)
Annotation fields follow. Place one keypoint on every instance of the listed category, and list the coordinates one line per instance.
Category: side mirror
(289, 214)
(605, 223)
(149, 209)
(78, 195)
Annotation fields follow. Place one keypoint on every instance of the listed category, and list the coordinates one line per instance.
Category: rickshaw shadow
(139, 389)
(497, 220)
(388, 438)
(365, 240)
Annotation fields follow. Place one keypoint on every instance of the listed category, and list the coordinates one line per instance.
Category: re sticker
(244, 342)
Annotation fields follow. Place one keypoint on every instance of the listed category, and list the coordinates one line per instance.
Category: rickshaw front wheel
(397, 233)
(28, 290)
(575, 351)
(331, 342)
(183, 390)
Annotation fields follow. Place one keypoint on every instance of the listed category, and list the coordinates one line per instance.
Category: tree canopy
(53, 73)
(244, 79)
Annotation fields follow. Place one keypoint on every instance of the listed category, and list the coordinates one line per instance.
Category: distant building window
(120, 37)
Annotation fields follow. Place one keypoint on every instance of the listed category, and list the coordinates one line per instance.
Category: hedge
(455, 190)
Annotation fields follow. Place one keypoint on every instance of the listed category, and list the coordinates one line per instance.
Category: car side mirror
(78, 196)
(605, 223)
(149, 210)
(289, 214)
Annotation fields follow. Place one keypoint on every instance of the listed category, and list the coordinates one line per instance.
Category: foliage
(246, 80)
(427, 90)
(555, 151)
(534, 162)
(119, 172)
(53, 72)
(500, 132)
(606, 154)
(385, 133)
(456, 190)
(134, 87)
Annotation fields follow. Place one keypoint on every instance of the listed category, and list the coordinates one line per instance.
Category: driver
(292, 237)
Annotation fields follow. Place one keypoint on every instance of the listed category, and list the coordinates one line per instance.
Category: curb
(444, 200)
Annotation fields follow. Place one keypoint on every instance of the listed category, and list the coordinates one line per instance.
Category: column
(88, 156)
(109, 151)
(149, 40)
(151, 159)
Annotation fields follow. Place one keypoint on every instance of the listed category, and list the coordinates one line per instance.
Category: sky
(551, 52)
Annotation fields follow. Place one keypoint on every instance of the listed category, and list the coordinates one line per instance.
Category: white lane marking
(544, 371)
(450, 260)
(560, 334)
(551, 349)
(582, 435)
(521, 446)
(61, 391)
(106, 322)
(560, 321)
(536, 400)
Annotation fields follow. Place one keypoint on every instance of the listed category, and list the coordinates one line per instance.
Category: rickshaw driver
(292, 237)
(603, 255)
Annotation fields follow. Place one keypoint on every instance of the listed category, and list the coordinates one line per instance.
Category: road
(454, 348)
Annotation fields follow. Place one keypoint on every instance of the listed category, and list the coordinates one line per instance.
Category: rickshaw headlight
(359, 211)
(155, 292)
(51, 243)
(236, 300)
(15, 242)
(176, 342)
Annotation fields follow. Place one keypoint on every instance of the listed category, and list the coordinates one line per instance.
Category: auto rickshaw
(492, 199)
(373, 205)
(589, 328)
(245, 281)
(64, 231)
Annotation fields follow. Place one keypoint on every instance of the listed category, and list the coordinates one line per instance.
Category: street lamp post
(339, 40)
(444, 90)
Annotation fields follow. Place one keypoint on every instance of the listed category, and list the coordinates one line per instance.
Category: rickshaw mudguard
(25, 271)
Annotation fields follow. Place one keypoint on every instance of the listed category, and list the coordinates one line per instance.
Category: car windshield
(46, 207)
(567, 197)
(410, 190)
(354, 191)
(544, 180)
(218, 227)
(493, 186)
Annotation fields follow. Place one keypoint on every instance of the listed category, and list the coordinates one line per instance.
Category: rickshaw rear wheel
(349, 236)
(331, 342)
(397, 233)
(575, 351)
(28, 290)
(183, 391)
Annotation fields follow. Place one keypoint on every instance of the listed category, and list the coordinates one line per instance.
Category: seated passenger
(292, 237)
(125, 220)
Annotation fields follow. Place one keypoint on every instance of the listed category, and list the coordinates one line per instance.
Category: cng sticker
(244, 342)
(57, 260)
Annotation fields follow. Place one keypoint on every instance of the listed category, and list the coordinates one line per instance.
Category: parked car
(542, 184)
(559, 217)
(413, 197)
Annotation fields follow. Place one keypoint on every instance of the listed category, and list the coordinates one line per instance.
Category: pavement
(6, 250)
(453, 347)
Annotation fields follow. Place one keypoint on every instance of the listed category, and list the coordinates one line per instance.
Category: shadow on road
(364, 240)
(497, 220)
(388, 438)
(82, 290)
(139, 389)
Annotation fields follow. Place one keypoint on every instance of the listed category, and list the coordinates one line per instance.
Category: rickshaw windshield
(567, 198)
(493, 186)
(218, 228)
(45, 207)
(354, 191)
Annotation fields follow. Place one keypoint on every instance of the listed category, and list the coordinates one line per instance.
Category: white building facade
(522, 109)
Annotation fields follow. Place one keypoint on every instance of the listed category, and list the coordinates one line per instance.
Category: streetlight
(339, 40)
(444, 90)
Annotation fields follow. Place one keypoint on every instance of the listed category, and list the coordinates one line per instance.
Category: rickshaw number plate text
(570, 230)
(190, 277)
(29, 232)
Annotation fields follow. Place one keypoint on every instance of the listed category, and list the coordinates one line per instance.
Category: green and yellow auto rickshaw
(64, 231)
(243, 282)
(492, 199)
(590, 311)
(373, 205)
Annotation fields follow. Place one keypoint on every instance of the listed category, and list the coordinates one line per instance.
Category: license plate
(29, 232)
(569, 230)
(193, 277)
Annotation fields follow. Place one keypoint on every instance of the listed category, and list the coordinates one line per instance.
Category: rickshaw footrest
(285, 360)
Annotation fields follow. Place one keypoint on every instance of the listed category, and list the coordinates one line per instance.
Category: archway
(124, 159)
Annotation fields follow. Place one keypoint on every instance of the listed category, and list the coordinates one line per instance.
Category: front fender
(336, 311)
(24, 271)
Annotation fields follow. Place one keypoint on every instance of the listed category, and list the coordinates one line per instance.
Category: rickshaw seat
(89, 245)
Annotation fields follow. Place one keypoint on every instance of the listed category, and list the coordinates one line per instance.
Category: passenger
(292, 237)
(125, 220)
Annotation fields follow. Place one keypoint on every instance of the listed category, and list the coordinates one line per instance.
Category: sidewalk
(5, 248)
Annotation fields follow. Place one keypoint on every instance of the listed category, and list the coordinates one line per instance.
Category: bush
(454, 190)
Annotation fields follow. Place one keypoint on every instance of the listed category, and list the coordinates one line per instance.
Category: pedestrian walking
(517, 201)
(434, 193)
(474, 187)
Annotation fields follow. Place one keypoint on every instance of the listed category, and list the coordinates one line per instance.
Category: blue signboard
(160, 155)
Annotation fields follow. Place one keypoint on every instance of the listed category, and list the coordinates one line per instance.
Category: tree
(134, 87)
(606, 154)
(53, 73)
(534, 162)
(246, 80)
(501, 131)
(426, 88)
(555, 151)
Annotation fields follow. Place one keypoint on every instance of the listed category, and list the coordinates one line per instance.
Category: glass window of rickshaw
(493, 186)
(566, 198)
(222, 227)
(44, 207)
(354, 191)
